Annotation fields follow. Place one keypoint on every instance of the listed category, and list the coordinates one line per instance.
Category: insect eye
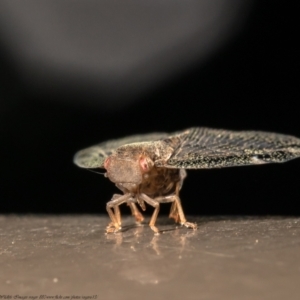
(145, 163)
(106, 163)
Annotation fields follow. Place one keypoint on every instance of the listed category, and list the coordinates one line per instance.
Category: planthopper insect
(150, 168)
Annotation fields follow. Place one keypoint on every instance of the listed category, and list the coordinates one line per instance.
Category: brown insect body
(150, 168)
(134, 172)
(161, 181)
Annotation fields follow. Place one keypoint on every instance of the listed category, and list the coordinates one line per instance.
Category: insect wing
(214, 148)
(94, 157)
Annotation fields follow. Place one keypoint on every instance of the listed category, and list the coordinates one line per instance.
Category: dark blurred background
(75, 73)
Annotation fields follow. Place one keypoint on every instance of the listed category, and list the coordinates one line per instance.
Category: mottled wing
(212, 148)
(93, 157)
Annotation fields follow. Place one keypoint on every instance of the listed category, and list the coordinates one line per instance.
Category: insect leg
(156, 206)
(180, 214)
(135, 212)
(176, 209)
(174, 212)
(115, 216)
(116, 208)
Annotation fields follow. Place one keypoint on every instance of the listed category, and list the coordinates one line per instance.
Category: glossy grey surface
(226, 258)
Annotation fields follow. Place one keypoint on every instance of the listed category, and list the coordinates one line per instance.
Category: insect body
(151, 168)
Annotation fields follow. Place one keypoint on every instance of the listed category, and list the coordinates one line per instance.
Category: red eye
(144, 164)
(106, 163)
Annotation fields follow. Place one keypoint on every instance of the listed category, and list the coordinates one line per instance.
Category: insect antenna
(96, 171)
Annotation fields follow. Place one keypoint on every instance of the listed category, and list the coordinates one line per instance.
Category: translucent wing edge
(94, 156)
(90, 158)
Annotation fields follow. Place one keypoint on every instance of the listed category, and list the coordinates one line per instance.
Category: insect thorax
(160, 182)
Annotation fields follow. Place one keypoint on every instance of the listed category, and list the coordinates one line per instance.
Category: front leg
(134, 210)
(154, 203)
(115, 215)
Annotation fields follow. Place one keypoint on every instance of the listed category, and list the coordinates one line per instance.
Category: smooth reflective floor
(56, 257)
